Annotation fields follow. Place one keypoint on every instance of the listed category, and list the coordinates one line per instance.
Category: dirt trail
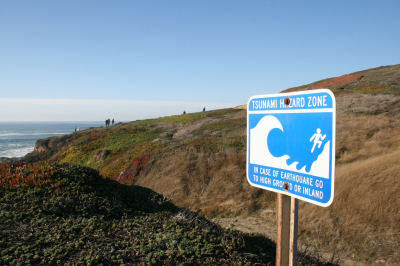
(268, 228)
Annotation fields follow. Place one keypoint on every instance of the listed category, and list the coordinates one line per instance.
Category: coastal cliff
(48, 147)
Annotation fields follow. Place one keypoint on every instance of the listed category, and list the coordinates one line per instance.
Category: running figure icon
(317, 136)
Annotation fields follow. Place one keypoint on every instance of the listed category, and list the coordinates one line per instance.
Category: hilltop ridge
(384, 79)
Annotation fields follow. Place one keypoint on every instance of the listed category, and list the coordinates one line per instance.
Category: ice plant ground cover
(63, 214)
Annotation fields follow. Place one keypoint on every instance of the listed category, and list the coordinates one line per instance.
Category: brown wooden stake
(293, 231)
(278, 230)
(283, 230)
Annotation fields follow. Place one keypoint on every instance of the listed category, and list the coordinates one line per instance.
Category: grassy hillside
(198, 160)
(62, 214)
(112, 149)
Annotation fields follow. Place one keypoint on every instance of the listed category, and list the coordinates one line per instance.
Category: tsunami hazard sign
(291, 144)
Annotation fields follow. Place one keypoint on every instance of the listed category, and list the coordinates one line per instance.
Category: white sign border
(333, 150)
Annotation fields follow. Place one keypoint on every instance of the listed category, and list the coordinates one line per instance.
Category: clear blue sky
(167, 56)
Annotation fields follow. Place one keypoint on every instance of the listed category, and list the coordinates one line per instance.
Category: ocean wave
(15, 145)
(16, 152)
(31, 134)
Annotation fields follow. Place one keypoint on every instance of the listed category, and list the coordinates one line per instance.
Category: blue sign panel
(291, 139)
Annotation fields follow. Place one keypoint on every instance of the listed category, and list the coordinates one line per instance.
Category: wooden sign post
(294, 218)
(287, 222)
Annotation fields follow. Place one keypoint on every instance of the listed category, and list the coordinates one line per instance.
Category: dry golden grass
(244, 106)
(367, 103)
(364, 217)
(210, 183)
(360, 137)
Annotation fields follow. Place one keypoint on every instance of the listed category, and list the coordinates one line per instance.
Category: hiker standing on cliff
(113, 121)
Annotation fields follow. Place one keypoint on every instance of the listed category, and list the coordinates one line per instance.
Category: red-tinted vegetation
(337, 81)
(20, 175)
(136, 167)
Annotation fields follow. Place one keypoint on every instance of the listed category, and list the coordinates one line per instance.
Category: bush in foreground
(70, 215)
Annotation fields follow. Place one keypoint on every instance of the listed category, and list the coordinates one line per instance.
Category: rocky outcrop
(46, 148)
(101, 154)
(166, 135)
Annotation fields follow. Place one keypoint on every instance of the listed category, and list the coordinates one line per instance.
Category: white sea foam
(16, 152)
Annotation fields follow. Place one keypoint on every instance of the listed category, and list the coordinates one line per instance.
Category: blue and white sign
(294, 143)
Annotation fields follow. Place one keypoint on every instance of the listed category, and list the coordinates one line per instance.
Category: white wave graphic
(32, 134)
(260, 154)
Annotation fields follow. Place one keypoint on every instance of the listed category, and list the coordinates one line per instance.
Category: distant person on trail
(184, 112)
(317, 136)
(204, 109)
(113, 121)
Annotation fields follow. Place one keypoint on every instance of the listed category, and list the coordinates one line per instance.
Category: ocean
(18, 138)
